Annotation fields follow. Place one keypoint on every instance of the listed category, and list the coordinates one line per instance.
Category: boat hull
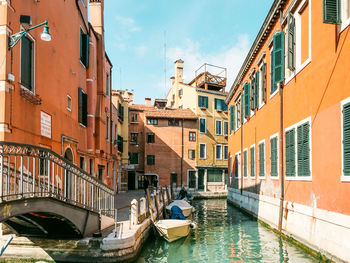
(173, 229)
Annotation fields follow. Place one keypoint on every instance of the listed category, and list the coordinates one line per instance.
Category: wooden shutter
(246, 100)
(84, 109)
(252, 93)
(252, 162)
(232, 118)
(331, 11)
(230, 167)
(206, 102)
(278, 54)
(291, 42)
(200, 101)
(263, 89)
(80, 105)
(346, 139)
(245, 164)
(87, 40)
(261, 160)
(273, 143)
(256, 90)
(290, 153)
(272, 78)
(306, 149)
(26, 63)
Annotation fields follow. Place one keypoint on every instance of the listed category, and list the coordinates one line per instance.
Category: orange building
(162, 144)
(289, 124)
(57, 94)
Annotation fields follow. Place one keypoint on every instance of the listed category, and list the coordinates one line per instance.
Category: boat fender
(193, 225)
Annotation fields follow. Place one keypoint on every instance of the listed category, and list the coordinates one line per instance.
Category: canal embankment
(322, 232)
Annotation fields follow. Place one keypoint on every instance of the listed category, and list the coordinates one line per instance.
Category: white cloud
(230, 58)
(128, 23)
(141, 50)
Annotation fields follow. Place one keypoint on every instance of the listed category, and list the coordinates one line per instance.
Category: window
(262, 84)
(82, 107)
(108, 81)
(252, 161)
(115, 135)
(202, 125)
(191, 154)
(218, 127)
(120, 143)
(346, 139)
(100, 172)
(107, 127)
(239, 112)
(220, 105)
(150, 159)
(332, 11)
(180, 92)
(274, 156)
(133, 158)
(82, 163)
(203, 102)
(111, 126)
(43, 164)
(218, 152)
(246, 99)
(134, 117)
(133, 138)
(262, 159)
(27, 63)
(84, 48)
(297, 149)
(245, 163)
(202, 151)
(225, 128)
(152, 121)
(237, 165)
(150, 137)
(273, 87)
(254, 91)
(91, 166)
(278, 59)
(120, 112)
(69, 103)
(214, 176)
(192, 136)
(173, 122)
(225, 152)
(107, 170)
(291, 43)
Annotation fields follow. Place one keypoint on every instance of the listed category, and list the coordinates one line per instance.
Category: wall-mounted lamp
(45, 35)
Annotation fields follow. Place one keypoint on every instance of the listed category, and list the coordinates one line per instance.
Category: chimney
(179, 70)
(172, 81)
(148, 102)
(96, 15)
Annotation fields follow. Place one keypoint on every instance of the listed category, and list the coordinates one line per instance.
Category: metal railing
(28, 171)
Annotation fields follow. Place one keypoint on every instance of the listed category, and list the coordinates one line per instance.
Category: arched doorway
(68, 155)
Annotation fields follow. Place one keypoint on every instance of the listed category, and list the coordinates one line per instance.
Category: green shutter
(252, 162)
(84, 109)
(278, 54)
(273, 144)
(246, 100)
(257, 89)
(291, 43)
(272, 78)
(263, 88)
(346, 139)
(232, 118)
(261, 160)
(245, 164)
(87, 39)
(290, 153)
(80, 105)
(331, 11)
(303, 150)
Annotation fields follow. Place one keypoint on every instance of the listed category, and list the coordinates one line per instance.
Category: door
(131, 180)
(173, 179)
(68, 155)
(200, 179)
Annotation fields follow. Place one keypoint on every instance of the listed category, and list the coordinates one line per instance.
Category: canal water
(224, 234)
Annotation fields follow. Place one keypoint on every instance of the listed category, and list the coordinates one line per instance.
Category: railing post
(48, 176)
(34, 174)
(65, 184)
(21, 178)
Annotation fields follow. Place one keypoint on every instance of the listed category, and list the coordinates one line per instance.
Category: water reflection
(224, 234)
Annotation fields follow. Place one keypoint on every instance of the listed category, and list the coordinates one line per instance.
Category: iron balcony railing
(28, 171)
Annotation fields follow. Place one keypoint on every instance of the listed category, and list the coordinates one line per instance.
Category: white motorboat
(173, 229)
(186, 208)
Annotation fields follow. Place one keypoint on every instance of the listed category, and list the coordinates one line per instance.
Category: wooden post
(156, 202)
(142, 209)
(172, 192)
(149, 203)
(162, 195)
(167, 194)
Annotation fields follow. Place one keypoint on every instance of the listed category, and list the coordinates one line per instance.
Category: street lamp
(45, 35)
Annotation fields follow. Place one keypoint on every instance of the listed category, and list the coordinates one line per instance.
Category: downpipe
(280, 219)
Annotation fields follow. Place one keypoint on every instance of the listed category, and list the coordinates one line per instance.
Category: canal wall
(121, 244)
(323, 231)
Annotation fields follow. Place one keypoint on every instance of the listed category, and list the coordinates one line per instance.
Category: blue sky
(218, 32)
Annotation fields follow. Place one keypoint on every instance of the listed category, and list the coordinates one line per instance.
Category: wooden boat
(173, 229)
(186, 208)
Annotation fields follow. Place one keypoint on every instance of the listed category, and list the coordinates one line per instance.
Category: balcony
(211, 77)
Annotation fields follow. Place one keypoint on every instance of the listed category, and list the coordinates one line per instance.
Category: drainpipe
(242, 141)
(182, 148)
(280, 219)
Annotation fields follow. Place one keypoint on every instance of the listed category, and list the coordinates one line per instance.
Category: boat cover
(176, 213)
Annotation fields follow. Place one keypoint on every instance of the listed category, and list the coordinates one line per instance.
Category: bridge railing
(28, 171)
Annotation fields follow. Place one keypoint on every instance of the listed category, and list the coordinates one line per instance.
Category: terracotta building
(289, 124)
(57, 94)
(162, 144)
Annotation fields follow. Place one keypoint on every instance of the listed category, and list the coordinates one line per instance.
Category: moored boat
(173, 229)
(186, 208)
